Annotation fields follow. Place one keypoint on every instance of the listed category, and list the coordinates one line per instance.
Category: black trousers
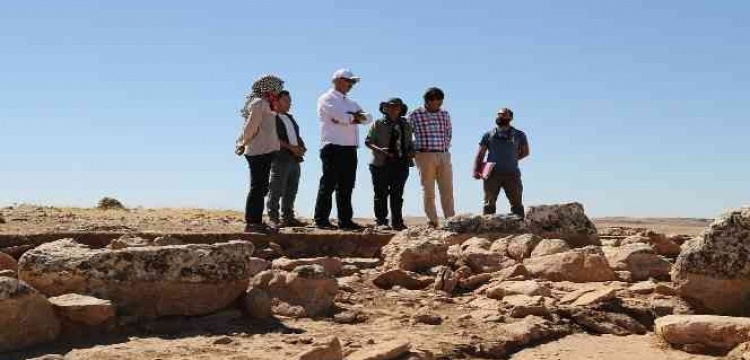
(388, 181)
(260, 173)
(339, 174)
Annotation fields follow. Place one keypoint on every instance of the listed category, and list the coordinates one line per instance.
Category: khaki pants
(513, 187)
(436, 167)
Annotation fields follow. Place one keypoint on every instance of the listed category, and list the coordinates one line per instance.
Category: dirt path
(605, 347)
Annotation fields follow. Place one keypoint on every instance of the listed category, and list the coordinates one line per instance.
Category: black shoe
(292, 222)
(350, 225)
(399, 226)
(261, 228)
(324, 225)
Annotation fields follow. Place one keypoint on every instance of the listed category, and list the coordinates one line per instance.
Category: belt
(431, 151)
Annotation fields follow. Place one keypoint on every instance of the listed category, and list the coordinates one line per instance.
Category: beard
(502, 122)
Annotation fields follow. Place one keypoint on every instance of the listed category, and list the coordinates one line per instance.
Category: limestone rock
(446, 280)
(146, 281)
(332, 265)
(26, 317)
(549, 247)
(405, 279)
(528, 288)
(596, 296)
(7, 262)
(641, 261)
(83, 309)
(578, 265)
(603, 322)
(521, 246)
(328, 350)
(505, 224)
(563, 221)
(713, 273)
(417, 250)
(717, 333)
(389, 350)
(740, 352)
(308, 291)
(257, 303)
(476, 253)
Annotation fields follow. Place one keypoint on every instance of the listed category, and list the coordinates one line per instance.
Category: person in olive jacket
(390, 140)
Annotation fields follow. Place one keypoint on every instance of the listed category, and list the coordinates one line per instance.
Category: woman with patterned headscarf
(259, 143)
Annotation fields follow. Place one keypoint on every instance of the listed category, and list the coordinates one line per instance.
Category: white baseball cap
(344, 74)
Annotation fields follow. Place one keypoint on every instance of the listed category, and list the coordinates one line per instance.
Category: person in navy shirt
(497, 160)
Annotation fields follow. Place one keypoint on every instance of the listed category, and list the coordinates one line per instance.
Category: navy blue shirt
(503, 147)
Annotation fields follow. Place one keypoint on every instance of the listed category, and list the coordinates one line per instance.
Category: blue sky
(635, 108)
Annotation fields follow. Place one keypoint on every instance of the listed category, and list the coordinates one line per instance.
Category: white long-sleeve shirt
(336, 123)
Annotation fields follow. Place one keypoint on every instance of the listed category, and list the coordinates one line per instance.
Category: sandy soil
(605, 347)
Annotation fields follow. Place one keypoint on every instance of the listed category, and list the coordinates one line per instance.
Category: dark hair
(284, 93)
(508, 111)
(433, 93)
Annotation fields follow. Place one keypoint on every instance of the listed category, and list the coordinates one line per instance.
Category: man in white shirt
(339, 133)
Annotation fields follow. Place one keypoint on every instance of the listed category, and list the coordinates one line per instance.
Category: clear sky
(635, 108)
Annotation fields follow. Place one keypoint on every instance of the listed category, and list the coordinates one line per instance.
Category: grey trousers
(513, 187)
(285, 173)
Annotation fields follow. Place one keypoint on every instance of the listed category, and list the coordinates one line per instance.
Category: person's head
(283, 102)
(267, 86)
(343, 80)
(393, 108)
(433, 99)
(504, 117)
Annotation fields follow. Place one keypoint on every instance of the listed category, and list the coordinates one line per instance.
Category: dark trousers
(388, 182)
(260, 172)
(339, 174)
(285, 173)
(511, 183)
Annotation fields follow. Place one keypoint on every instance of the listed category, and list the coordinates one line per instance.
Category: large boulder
(307, 291)
(641, 261)
(148, 281)
(521, 246)
(563, 221)
(417, 249)
(26, 317)
(713, 273)
(661, 244)
(578, 265)
(83, 309)
(711, 332)
(501, 224)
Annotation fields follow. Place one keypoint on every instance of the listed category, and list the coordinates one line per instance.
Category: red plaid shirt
(432, 131)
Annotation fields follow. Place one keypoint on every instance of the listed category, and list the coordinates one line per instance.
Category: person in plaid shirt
(432, 141)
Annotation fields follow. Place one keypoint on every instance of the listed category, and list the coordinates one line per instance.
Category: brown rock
(521, 306)
(740, 352)
(716, 333)
(603, 322)
(417, 249)
(329, 350)
(596, 296)
(332, 265)
(641, 261)
(549, 247)
(307, 291)
(7, 262)
(446, 280)
(474, 281)
(712, 273)
(257, 303)
(405, 279)
(521, 246)
(147, 281)
(26, 317)
(426, 317)
(384, 351)
(578, 265)
(662, 244)
(476, 253)
(563, 221)
(528, 287)
(8, 273)
(83, 309)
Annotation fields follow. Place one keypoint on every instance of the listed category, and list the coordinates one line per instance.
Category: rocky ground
(554, 287)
